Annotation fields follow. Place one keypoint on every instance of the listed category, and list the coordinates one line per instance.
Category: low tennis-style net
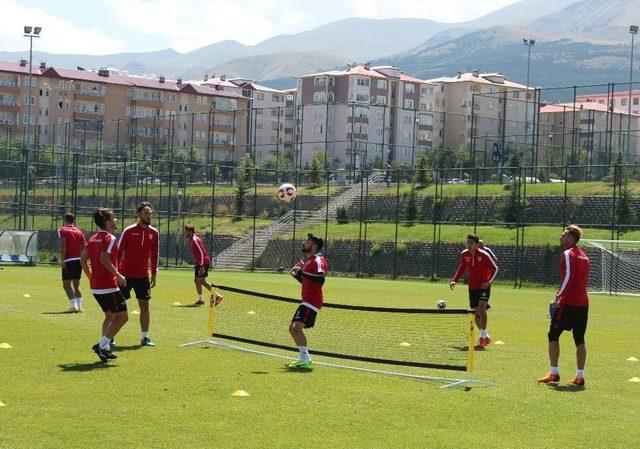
(416, 338)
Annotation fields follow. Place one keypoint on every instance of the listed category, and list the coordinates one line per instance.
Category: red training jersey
(200, 254)
(480, 266)
(137, 249)
(101, 280)
(312, 291)
(574, 275)
(74, 241)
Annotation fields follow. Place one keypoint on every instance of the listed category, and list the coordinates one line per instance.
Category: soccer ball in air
(442, 304)
(287, 192)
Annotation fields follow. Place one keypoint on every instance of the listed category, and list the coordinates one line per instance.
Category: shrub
(342, 216)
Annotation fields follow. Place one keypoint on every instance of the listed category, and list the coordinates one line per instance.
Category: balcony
(88, 94)
(9, 86)
(9, 105)
(88, 115)
(153, 102)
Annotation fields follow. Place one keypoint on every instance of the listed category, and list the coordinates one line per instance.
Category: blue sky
(111, 26)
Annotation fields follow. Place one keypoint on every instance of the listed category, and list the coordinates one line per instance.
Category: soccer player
(72, 243)
(137, 250)
(481, 245)
(100, 263)
(571, 305)
(482, 270)
(311, 274)
(202, 264)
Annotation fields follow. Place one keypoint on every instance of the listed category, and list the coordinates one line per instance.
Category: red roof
(206, 90)
(14, 67)
(83, 75)
(579, 106)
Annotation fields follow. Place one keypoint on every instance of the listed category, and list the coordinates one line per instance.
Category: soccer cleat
(110, 355)
(80, 310)
(578, 381)
(112, 343)
(146, 342)
(216, 298)
(104, 358)
(199, 302)
(482, 342)
(72, 310)
(300, 364)
(549, 378)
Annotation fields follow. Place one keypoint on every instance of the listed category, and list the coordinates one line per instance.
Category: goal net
(18, 247)
(615, 265)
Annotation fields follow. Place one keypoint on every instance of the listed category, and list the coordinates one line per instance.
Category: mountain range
(578, 42)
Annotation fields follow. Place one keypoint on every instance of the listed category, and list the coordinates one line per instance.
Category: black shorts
(72, 270)
(112, 302)
(306, 315)
(141, 287)
(569, 318)
(197, 271)
(475, 296)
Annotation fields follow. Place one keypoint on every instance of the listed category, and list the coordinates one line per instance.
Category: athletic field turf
(57, 394)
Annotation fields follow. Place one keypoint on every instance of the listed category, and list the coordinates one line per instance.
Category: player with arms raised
(311, 274)
(100, 263)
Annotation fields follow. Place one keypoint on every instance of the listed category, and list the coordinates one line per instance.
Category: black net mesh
(416, 338)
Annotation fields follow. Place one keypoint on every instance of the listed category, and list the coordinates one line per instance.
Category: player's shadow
(566, 388)
(84, 367)
(126, 348)
(260, 372)
(60, 313)
(461, 348)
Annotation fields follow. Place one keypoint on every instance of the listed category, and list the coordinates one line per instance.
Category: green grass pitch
(56, 395)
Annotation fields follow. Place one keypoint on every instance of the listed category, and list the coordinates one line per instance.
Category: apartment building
(356, 115)
(617, 98)
(290, 119)
(498, 108)
(81, 108)
(586, 132)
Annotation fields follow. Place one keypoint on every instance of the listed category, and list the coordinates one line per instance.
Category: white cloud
(58, 35)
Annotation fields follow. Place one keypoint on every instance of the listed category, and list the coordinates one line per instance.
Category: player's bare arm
(106, 261)
(84, 261)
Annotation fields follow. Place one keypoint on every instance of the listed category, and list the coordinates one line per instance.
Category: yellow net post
(212, 317)
(471, 344)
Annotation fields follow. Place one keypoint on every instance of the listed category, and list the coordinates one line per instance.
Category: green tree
(316, 173)
(423, 176)
(411, 209)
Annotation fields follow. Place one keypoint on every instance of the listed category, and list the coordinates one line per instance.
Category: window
(260, 96)
(320, 81)
(379, 115)
(362, 112)
(379, 132)
(515, 94)
(409, 88)
(275, 98)
(29, 119)
(426, 90)
(381, 99)
(426, 120)
(362, 98)
(407, 119)
(623, 102)
(363, 82)
(408, 104)
(26, 100)
(319, 97)
(636, 101)
(318, 129)
(318, 113)
(381, 84)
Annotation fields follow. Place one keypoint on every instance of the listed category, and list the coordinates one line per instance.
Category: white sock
(72, 301)
(200, 297)
(79, 303)
(304, 353)
(104, 343)
(554, 370)
(484, 333)
(144, 335)
(580, 373)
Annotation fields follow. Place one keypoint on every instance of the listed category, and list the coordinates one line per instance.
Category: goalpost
(615, 265)
(18, 247)
(392, 341)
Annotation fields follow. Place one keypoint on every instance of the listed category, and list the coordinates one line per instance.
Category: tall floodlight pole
(528, 43)
(29, 32)
(633, 29)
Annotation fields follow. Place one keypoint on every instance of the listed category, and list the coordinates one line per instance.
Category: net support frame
(448, 382)
(609, 275)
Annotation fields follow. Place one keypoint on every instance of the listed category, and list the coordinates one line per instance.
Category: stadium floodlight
(37, 30)
(27, 29)
(349, 338)
(633, 29)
